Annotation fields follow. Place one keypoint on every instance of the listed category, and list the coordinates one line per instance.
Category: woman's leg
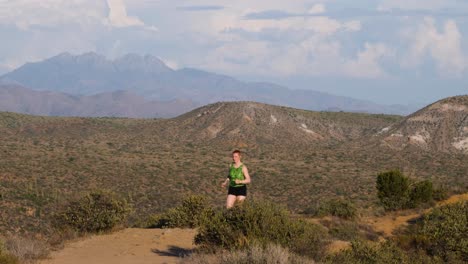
(240, 198)
(230, 200)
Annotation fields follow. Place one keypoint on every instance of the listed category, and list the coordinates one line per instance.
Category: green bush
(378, 253)
(392, 190)
(362, 252)
(421, 192)
(444, 232)
(193, 210)
(95, 212)
(260, 223)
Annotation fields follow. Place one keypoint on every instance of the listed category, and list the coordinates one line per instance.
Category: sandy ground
(128, 246)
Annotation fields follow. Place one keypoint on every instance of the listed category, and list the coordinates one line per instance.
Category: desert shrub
(335, 207)
(367, 253)
(5, 256)
(95, 212)
(339, 208)
(255, 254)
(193, 210)
(421, 192)
(377, 253)
(260, 223)
(443, 232)
(392, 189)
(440, 193)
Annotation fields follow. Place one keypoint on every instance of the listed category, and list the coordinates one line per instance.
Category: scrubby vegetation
(392, 190)
(47, 161)
(259, 231)
(334, 207)
(378, 253)
(396, 191)
(191, 213)
(5, 256)
(254, 254)
(441, 233)
(95, 212)
(26, 249)
(254, 223)
(421, 192)
(261, 223)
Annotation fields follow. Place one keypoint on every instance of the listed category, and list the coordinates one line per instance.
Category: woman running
(238, 178)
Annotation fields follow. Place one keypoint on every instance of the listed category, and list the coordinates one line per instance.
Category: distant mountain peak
(62, 55)
(147, 63)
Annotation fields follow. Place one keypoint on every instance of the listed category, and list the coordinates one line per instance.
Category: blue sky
(388, 51)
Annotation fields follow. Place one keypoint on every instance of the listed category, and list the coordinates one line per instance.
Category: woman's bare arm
(225, 182)
(246, 175)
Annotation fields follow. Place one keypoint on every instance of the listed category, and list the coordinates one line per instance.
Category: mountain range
(150, 79)
(16, 98)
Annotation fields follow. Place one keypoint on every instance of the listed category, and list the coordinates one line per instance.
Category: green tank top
(236, 174)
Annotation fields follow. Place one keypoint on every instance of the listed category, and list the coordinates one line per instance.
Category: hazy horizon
(389, 52)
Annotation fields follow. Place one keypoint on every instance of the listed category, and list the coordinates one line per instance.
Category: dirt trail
(128, 246)
(392, 221)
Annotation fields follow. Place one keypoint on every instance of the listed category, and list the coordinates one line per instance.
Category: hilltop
(254, 124)
(441, 126)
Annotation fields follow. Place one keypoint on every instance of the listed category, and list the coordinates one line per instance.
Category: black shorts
(238, 191)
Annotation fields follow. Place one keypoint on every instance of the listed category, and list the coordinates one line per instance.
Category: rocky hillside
(441, 126)
(251, 123)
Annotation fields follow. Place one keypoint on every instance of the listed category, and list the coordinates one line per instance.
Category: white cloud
(118, 15)
(313, 52)
(443, 47)
(25, 14)
(319, 24)
(318, 55)
(317, 9)
(366, 64)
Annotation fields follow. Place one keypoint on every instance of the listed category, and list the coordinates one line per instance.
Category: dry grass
(253, 255)
(26, 249)
(337, 246)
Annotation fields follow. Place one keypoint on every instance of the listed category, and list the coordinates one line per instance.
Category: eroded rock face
(442, 126)
(258, 123)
